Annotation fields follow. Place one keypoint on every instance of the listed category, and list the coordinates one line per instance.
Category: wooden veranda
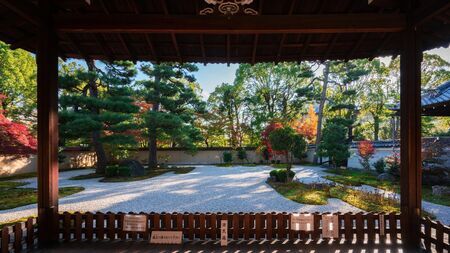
(245, 32)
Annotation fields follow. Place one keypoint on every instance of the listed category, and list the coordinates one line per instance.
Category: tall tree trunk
(96, 134)
(323, 99)
(376, 127)
(152, 156)
(152, 145)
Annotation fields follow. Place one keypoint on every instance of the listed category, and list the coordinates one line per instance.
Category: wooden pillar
(47, 104)
(410, 137)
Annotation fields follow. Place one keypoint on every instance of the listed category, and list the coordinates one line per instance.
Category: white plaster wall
(353, 161)
(12, 165)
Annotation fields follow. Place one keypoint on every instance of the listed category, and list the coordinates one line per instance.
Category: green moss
(15, 197)
(300, 193)
(358, 178)
(428, 196)
(366, 201)
(19, 176)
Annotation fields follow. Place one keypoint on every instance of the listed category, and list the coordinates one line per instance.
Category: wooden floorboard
(214, 246)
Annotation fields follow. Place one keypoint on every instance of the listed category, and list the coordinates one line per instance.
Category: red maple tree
(365, 151)
(265, 137)
(15, 138)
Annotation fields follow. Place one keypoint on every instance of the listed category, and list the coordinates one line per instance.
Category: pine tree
(170, 89)
(97, 107)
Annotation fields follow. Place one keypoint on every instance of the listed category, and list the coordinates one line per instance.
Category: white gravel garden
(205, 189)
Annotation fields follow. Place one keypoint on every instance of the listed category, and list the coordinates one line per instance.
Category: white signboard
(223, 232)
(302, 222)
(166, 237)
(134, 223)
(330, 226)
(381, 225)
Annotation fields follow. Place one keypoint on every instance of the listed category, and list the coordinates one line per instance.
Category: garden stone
(386, 177)
(440, 190)
(136, 168)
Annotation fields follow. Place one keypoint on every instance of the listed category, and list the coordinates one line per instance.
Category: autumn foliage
(365, 152)
(265, 137)
(307, 126)
(15, 138)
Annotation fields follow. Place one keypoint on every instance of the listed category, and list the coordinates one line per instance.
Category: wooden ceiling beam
(323, 23)
(176, 47)
(255, 45)
(24, 9)
(24, 41)
(149, 42)
(425, 14)
(202, 47)
(172, 34)
(356, 46)
(330, 46)
(283, 37)
(74, 43)
(105, 48)
(228, 49)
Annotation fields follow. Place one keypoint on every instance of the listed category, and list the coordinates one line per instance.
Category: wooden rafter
(24, 9)
(172, 34)
(105, 48)
(356, 46)
(255, 45)
(176, 47)
(148, 40)
(122, 40)
(423, 15)
(151, 46)
(330, 46)
(228, 49)
(74, 43)
(283, 37)
(202, 47)
(325, 23)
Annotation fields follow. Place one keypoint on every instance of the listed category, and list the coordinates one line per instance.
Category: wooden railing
(353, 228)
(360, 228)
(435, 236)
(21, 236)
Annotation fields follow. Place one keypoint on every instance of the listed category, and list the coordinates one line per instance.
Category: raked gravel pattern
(205, 189)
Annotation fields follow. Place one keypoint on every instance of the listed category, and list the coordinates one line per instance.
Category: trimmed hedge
(281, 174)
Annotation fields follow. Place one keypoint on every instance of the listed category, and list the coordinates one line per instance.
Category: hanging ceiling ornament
(228, 7)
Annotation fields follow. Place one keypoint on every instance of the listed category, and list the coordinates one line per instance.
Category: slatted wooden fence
(357, 228)
(360, 228)
(435, 236)
(19, 237)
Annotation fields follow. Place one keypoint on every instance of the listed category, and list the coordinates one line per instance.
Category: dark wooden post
(410, 134)
(47, 104)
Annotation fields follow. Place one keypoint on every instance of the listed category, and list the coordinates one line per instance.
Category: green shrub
(123, 171)
(380, 165)
(111, 171)
(334, 145)
(281, 174)
(227, 157)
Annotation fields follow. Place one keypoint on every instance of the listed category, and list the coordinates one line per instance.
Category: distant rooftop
(435, 102)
